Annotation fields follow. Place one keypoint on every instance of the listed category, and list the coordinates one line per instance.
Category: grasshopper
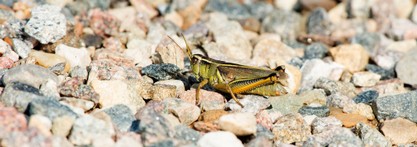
(236, 78)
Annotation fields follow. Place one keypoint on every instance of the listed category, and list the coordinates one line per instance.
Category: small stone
(287, 5)
(48, 60)
(6, 63)
(333, 87)
(361, 109)
(172, 119)
(314, 69)
(191, 13)
(42, 123)
(320, 111)
(212, 115)
(19, 95)
(334, 136)
(272, 51)
(240, 124)
(315, 50)
(393, 106)
(405, 68)
(75, 57)
(260, 141)
(153, 127)
(164, 71)
(103, 23)
(229, 34)
(50, 108)
(232, 9)
(75, 87)
(252, 104)
(365, 78)
(88, 128)
(185, 133)
(186, 112)
(12, 121)
(264, 119)
(348, 120)
(113, 92)
(177, 83)
(79, 72)
(321, 124)
(371, 136)
(250, 24)
(208, 100)
(359, 9)
(128, 141)
(370, 41)
(121, 116)
(29, 74)
(292, 103)
(70, 39)
(21, 48)
(140, 51)
(170, 52)
(219, 139)
(318, 22)
(287, 24)
(400, 131)
(291, 128)
(385, 74)
(46, 24)
(390, 87)
(403, 8)
(160, 92)
(366, 97)
(7, 51)
(61, 126)
(354, 57)
(49, 89)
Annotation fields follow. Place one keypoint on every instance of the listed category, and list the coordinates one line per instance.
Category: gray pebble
(164, 71)
(393, 106)
(19, 95)
(320, 111)
(366, 96)
(315, 50)
(318, 22)
(121, 117)
(30, 74)
(50, 108)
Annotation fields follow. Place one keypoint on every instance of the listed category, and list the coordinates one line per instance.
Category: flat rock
(22, 48)
(354, 57)
(209, 100)
(88, 128)
(169, 52)
(50, 108)
(114, 92)
(219, 139)
(19, 95)
(400, 131)
(153, 127)
(321, 124)
(393, 106)
(42, 123)
(61, 126)
(164, 71)
(405, 68)
(292, 103)
(291, 128)
(179, 85)
(314, 69)
(348, 120)
(360, 108)
(33, 75)
(240, 124)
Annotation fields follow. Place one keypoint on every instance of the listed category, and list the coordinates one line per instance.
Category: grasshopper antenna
(188, 49)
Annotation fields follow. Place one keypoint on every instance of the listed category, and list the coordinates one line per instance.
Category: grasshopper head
(196, 64)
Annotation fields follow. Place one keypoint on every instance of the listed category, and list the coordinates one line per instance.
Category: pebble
(160, 92)
(212, 115)
(252, 104)
(390, 87)
(113, 92)
(22, 48)
(371, 136)
(292, 103)
(29, 74)
(48, 60)
(321, 124)
(320, 111)
(164, 71)
(153, 127)
(12, 121)
(291, 128)
(121, 116)
(103, 23)
(260, 141)
(334, 136)
(400, 131)
(314, 69)
(179, 85)
(128, 141)
(74, 56)
(360, 108)
(46, 24)
(370, 41)
(79, 72)
(405, 68)
(50, 108)
(359, 9)
(333, 87)
(393, 106)
(240, 124)
(208, 100)
(232, 9)
(19, 95)
(272, 51)
(169, 52)
(354, 57)
(310, 5)
(385, 74)
(286, 5)
(186, 134)
(140, 51)
(364, 79)
(229, 34)
(61, 126)
(6, 63)
(42, 123)
(318, 22)
(348, 120)
(315, 50)
(49, 89)
(366, 97)
(86, 129)
(219, 139)
(187, 113)
(287, 24)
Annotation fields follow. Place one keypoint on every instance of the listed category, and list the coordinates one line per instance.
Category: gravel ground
(106, 73)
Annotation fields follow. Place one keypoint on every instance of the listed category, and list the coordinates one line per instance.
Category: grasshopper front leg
(197, 92)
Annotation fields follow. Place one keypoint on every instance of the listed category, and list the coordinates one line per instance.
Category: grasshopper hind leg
(233, 95)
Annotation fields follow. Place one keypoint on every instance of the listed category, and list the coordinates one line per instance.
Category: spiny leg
(197, 92)
(233, 95)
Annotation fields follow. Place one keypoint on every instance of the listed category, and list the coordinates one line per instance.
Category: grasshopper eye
(194, 60)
